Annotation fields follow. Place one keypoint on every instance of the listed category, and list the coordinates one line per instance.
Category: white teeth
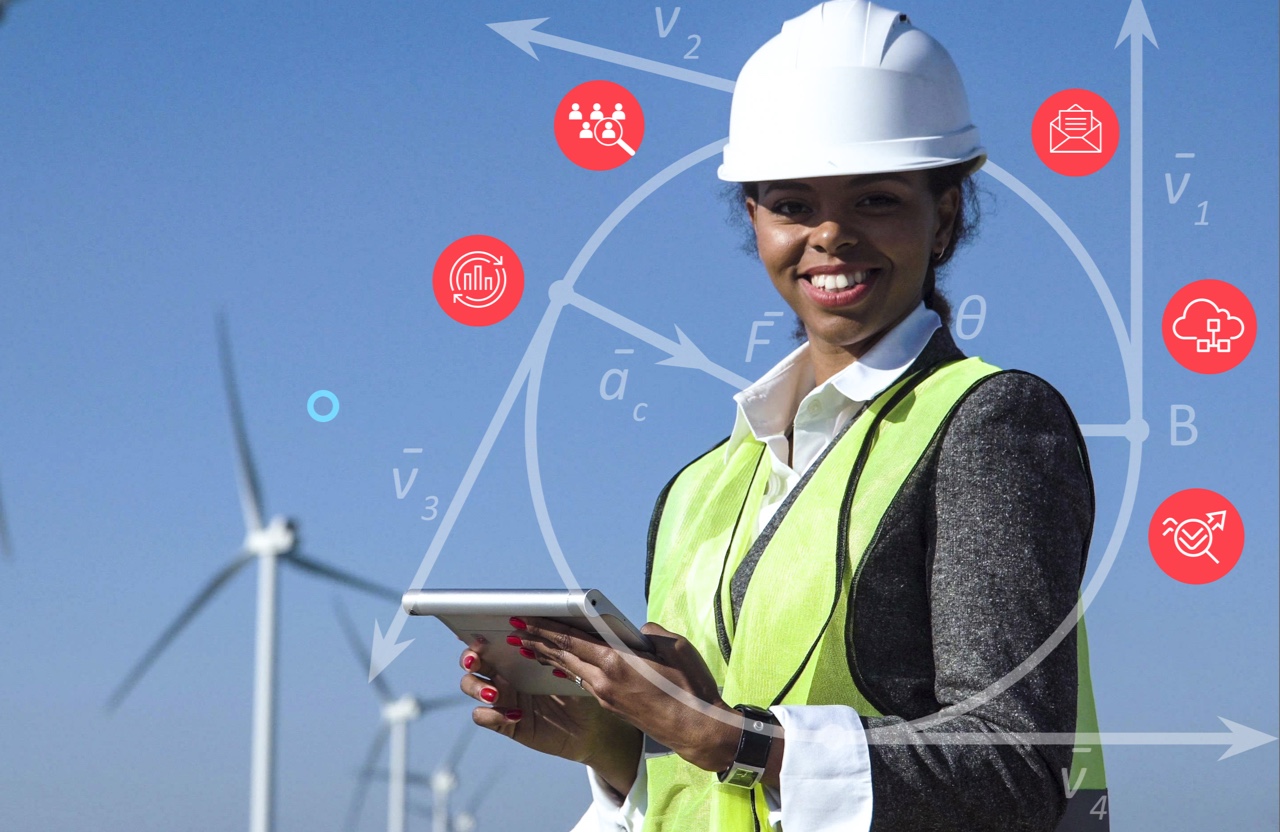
(836, 282)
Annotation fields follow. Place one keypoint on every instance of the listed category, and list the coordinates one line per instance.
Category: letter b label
(1182, 428)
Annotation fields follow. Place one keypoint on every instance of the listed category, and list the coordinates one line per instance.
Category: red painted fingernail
(555, 671)
(468, 661)
(489, 694)
(514, 714)
(514, 641)
(518, 623)
(527, 653)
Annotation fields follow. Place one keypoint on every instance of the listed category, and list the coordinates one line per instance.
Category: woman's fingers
(499, 709)
(502, 720)
(493, 691)
(568, 649)
(473, 662)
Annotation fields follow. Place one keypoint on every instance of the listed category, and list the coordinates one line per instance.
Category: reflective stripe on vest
(775, 652)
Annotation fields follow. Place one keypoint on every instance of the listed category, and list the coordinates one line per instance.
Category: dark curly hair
(968, 213)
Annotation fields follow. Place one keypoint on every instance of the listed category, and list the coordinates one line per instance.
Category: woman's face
(850, 254)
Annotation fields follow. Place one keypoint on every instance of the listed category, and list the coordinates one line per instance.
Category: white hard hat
(848, 87)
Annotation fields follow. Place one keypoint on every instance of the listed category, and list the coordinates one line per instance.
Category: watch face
(743, 778)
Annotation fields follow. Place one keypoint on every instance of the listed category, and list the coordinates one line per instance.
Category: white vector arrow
(1136, 27)
(684, 353)
(1238, 738)
(524, 34)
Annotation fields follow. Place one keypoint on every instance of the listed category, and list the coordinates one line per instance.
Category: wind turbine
(397, 713)
(271, 544)
(465, 820)
(442, 782)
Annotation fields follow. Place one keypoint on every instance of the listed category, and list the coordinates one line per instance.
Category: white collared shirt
(822, 788)
(787, 393)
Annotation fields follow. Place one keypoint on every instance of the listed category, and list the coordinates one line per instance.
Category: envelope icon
(1075, 130)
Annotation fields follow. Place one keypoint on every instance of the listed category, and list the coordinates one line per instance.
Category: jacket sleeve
(1012, 513)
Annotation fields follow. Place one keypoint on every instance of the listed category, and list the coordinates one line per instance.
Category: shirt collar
(766, 407)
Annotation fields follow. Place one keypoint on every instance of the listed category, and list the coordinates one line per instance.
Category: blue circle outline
(311, 406)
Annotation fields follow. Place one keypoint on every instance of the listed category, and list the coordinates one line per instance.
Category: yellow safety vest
(787, 644)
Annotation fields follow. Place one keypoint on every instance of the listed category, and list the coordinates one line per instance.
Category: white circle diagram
(562, 293)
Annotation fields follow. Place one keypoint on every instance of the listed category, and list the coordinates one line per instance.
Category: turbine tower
(276, 542)
(397, 713)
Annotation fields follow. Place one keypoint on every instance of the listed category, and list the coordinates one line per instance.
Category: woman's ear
(751, 211)
(947, 208)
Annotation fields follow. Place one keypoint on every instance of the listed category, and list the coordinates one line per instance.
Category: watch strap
(753, 748)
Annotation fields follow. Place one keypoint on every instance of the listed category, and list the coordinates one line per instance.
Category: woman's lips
(825, 289)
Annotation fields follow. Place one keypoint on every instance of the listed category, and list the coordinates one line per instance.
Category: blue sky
(302, 165)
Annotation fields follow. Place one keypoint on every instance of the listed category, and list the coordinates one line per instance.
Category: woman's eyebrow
(787, 185)
(858, 181)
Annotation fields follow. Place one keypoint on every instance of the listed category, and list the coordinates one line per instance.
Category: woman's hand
(573, 727)
(689, 728)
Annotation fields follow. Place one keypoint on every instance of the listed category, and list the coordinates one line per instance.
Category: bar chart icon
(477, 279)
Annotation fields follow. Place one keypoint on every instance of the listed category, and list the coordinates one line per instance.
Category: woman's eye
(788, 207)
(879, 201)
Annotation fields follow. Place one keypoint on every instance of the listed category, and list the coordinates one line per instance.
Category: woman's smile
(839, 285)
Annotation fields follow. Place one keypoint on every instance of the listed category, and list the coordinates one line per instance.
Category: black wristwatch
(753, 749)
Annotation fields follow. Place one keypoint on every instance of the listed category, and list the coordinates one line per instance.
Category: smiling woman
(887, 537)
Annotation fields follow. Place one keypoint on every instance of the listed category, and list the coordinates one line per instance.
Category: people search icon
(599, 125)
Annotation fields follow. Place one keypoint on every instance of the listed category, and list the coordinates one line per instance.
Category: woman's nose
(832, 235)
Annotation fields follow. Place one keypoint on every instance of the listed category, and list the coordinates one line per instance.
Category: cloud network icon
(1212, 327)
(1209, 326)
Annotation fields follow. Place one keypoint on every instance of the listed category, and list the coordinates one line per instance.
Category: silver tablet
(480, 617)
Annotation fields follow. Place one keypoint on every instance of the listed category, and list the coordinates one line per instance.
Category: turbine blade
(459, 747)
(250, 494)
(362, 784)
(414, 778)
(485, 788)
(334, 574)
(6, 545)
(184, 618)
(437, 702)
(380, 686)
(411, 778)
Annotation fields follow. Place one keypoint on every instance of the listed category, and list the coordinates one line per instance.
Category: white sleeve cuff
(825, 782)
(609, 813)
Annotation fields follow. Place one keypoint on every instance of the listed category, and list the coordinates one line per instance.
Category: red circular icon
(478, 280)
(1209, 326)
(599, 125)
(1075, 132)
(1196, 536)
